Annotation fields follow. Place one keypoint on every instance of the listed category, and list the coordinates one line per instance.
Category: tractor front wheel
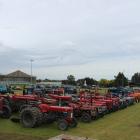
(86, 117)
(6, 112)
(73, 123)
(62, 124)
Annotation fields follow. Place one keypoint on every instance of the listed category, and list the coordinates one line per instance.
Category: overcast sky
(95, 38)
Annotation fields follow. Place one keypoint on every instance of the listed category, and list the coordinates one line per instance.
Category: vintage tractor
(35, 115)
(16, 101)
(86, 112)
(5, 110)
(35, 111)
(127, 92)
(112, 104)
(136, 94)
(124, 95)
(5, 89)
(88, 97)
(130, 100)
(42, 92)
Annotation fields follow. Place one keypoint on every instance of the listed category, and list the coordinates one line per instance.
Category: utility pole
(31, 71)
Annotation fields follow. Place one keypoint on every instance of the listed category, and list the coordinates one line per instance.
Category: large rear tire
(30, 117)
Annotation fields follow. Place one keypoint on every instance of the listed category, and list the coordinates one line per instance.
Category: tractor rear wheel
(6, 112)
(86, 117)
(62, 124)
(30, 117)
(73, 123)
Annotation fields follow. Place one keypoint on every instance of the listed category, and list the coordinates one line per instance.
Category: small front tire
(62, 124)
(73, 123)
(6, 112)
(86, 117)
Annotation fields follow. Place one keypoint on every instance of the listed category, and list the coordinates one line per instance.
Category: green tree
(104, 82)
(71, 80)
(89, 81)
(120, 80)
(80, 82)
(111, 83)
(136, 79)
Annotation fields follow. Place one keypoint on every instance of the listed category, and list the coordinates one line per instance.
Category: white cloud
(70, 36)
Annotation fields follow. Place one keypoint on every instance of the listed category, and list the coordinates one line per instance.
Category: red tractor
(17, 101)
(5, 110)
(33, 116)
(86, 112)
(35, 111)
(87, 97)
(111, 103)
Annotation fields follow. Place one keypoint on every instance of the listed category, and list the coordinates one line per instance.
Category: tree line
(119, 80)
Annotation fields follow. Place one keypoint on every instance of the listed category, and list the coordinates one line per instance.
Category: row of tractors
(35, 110)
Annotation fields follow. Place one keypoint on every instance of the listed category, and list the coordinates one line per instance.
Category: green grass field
(121, 125)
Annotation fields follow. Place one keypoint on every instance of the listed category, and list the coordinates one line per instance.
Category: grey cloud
(64, 33)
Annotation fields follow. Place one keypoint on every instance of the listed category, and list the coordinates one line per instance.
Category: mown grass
(121, 125)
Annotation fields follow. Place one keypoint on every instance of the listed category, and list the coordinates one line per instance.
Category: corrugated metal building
(17, 77)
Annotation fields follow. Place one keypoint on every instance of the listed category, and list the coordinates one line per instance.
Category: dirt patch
(68, 137)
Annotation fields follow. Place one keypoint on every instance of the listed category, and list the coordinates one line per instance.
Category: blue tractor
(5, 89)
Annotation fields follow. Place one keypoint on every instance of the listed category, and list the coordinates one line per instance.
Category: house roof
(18, 73)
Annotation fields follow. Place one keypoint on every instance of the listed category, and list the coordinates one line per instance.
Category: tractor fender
(23, 107)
